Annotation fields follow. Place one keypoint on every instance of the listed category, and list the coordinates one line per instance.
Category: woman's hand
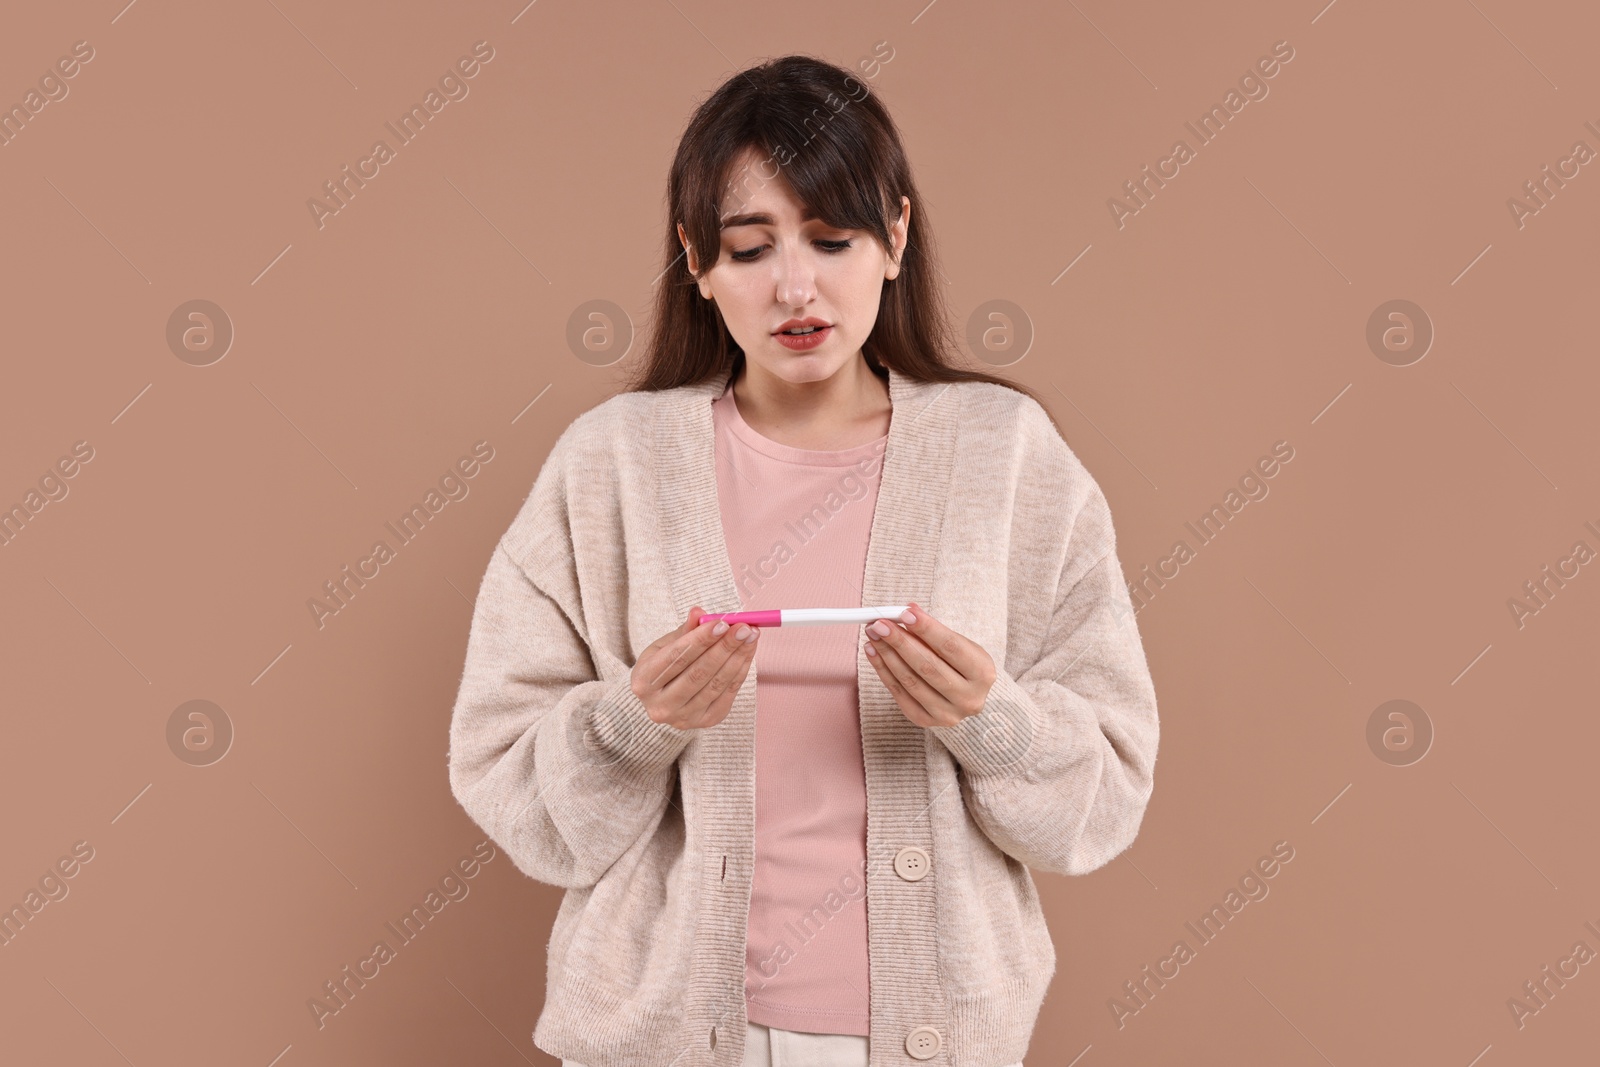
(689, 676)
(937, 676)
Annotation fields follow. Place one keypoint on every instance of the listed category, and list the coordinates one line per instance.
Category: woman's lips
(804, 342)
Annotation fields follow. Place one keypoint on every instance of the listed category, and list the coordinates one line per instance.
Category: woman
(795, 846)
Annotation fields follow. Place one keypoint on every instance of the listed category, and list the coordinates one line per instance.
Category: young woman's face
(775, 266)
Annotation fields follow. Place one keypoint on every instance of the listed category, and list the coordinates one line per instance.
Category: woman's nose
(796, 281)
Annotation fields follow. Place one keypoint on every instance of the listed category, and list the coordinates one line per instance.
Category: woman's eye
(748, 254)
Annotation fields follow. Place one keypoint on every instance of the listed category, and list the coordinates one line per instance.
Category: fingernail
(880, 628)
(720, 628)
(870, 650)
(907, 618)
(751, 636)
(742, 633)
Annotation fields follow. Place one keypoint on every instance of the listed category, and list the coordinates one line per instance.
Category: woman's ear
(897, 232)
(693, 263)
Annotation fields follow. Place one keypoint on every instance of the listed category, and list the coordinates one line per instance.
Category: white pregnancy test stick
(806, 616)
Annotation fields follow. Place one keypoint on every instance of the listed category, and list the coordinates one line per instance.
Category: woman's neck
(848, 409)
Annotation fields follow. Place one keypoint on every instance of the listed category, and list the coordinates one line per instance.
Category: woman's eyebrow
(761, 218)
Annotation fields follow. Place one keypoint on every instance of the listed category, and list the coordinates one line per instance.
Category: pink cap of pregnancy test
(750, 618)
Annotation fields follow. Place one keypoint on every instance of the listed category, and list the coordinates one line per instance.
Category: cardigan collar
(907, 522)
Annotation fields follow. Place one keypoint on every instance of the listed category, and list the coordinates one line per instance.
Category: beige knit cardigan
(986, 518)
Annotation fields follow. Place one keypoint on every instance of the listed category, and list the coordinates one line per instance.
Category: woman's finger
(738, 666)
(922, 666)
(909, 705)
(934, 703)
(723, 681)
(707, 651)
(683, 652)
(964, 655)
(663, 658)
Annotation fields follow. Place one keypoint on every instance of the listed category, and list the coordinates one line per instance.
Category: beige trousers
(768, 1046)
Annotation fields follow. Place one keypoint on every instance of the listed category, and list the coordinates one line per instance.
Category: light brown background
(429, 314)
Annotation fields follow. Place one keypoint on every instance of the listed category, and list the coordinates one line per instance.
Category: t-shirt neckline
(788, 453)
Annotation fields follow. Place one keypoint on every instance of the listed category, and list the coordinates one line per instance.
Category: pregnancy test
(806, 616)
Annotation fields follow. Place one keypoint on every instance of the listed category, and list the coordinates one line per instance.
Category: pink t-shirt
(797, 523)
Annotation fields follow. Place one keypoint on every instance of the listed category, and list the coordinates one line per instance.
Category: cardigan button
(911, 863)
(924, 1043)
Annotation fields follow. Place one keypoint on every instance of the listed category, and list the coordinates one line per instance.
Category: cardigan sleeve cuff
(631, 747)
(1012, 733)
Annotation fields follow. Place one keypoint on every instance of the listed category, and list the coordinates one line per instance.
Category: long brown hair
(838, 149)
